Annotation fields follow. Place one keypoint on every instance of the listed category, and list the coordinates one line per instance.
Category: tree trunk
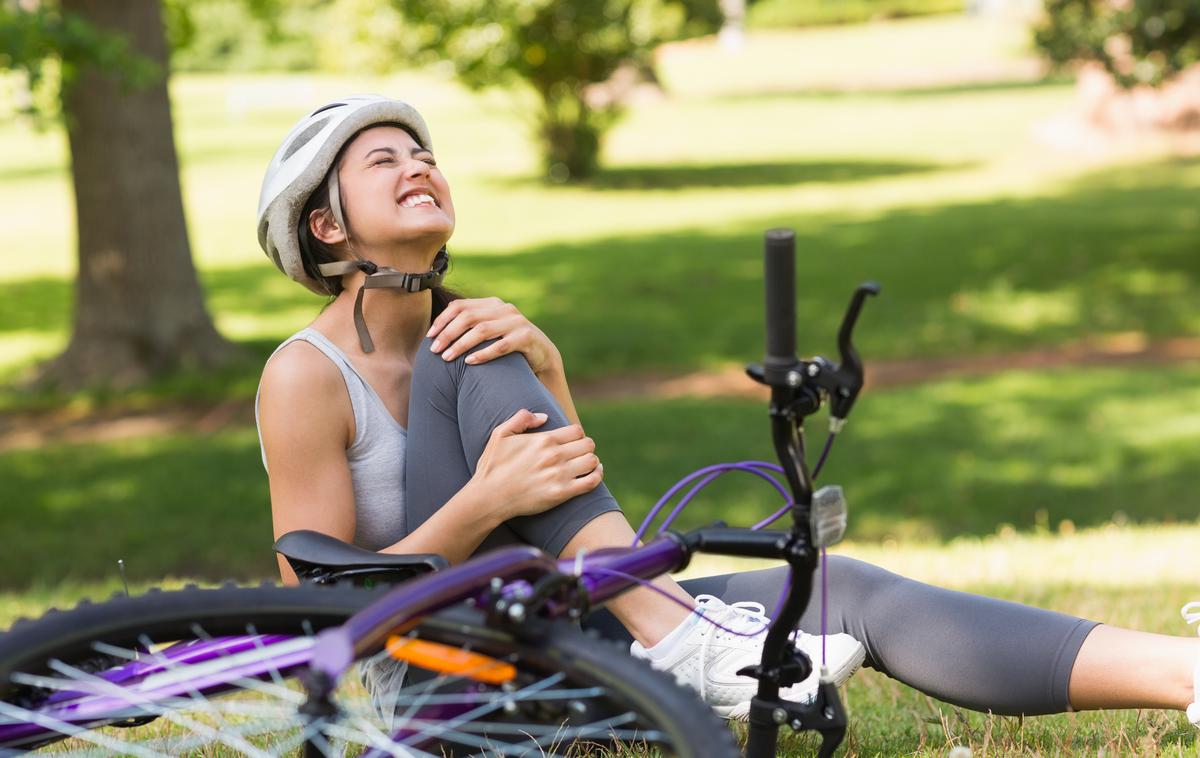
(139, 310)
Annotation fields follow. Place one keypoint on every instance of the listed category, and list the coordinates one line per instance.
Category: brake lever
(850, 372)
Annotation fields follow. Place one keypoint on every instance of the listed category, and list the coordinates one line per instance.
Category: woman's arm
(555, 379)
(467, 322)
(306, 423)
(518, 474)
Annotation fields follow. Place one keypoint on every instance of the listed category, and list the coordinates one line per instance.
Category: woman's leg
(452, 411)
(973, 651)
(1120, 668)
(451, 414)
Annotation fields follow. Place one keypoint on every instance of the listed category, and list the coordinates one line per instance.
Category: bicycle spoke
(496, 703)
(71, 730)
(201, 702)
(136, 699)
(379, 740)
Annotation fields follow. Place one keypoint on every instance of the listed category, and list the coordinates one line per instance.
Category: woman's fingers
(461, 315)
(509, 329)
(470, 339)
(585, 483)
(583, 464)
(520, 422)
(576, 448)
(565, 434)
(448, 314)
(502, 346)
(452, 331)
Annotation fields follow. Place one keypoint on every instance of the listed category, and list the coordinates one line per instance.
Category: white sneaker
(707, 657)
(1191, 614)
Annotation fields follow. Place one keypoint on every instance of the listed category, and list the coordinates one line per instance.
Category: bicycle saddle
(321, 559)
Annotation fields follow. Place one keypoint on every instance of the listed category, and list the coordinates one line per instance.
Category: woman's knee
(443, 383)
(851, 577)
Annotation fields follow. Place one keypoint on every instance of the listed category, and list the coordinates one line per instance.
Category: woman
(408, 421)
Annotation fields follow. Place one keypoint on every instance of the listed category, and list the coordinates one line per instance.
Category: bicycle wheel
(217, 672)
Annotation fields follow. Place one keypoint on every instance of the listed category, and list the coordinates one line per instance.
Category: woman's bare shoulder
(301, 387)
(299, 366)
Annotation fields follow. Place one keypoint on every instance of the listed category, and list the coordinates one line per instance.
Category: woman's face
(392, 191)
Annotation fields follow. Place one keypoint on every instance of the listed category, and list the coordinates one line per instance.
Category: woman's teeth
(413, 201)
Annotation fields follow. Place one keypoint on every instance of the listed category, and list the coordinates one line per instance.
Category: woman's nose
(417, 168)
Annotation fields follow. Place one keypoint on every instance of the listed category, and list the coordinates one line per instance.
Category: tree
(1137, 41)
(139, 309)
(1140, 59)
(561, 49)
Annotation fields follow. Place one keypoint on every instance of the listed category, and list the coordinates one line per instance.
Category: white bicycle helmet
(300, 165)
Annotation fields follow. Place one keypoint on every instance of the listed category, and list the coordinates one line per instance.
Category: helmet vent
(303, 137)
(324, 108)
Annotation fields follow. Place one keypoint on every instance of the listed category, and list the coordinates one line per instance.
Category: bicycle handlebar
(781, 299)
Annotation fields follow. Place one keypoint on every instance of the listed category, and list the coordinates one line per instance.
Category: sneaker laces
(743, 619)
(1191, 614)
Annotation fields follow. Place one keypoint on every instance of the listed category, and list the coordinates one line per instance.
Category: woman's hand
(530, 473)
(466, 323)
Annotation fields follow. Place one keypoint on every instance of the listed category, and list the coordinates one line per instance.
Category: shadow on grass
(883, 91)
(1112, 253)
(741, 175)
(186, 505)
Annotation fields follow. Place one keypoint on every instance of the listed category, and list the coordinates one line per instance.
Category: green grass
(951, 458)
(1130, 576)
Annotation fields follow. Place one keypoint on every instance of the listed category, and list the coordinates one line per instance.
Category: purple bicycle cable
(709, 474)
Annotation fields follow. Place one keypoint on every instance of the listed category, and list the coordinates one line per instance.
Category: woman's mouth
(417, 199)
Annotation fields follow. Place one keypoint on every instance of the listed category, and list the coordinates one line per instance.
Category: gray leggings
(973, 651)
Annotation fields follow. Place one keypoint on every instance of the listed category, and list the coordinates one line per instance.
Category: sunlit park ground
(906, 152)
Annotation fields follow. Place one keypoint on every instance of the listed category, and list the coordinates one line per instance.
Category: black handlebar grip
(780, 269)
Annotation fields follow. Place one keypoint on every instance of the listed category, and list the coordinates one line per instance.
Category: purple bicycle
(478, 659)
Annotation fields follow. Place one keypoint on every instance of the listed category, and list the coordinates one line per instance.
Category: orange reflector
(450, 660)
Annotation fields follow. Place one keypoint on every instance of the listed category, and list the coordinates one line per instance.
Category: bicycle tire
(598, 681)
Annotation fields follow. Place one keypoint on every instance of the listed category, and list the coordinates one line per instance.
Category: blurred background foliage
(350, 35)
(1139, 42)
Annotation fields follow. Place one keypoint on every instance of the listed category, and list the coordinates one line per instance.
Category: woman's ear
(325, 228)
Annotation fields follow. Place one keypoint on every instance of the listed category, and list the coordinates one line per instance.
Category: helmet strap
(385, 278)
(335, 203)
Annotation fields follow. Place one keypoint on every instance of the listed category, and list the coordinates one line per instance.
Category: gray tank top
(376, 456)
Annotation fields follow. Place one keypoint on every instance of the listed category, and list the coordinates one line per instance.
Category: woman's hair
(314, 252)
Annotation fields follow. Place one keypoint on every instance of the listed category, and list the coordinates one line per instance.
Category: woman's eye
(430, 161)
(382, 160)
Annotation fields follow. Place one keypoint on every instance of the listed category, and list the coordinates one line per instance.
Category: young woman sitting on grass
(406, 420)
